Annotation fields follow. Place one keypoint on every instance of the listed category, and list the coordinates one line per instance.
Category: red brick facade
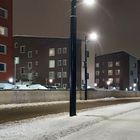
(6, 58)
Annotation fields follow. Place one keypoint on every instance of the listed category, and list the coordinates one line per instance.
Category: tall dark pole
(85, 68)
(73, 25)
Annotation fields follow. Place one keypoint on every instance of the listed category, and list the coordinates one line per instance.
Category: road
(122, 127)
(12, 112)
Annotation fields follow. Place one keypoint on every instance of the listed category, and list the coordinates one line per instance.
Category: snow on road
(117, 122)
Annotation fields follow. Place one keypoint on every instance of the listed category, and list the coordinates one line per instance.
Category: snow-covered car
(36, 86)
(4, 86)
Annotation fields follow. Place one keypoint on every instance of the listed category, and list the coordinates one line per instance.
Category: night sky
(117, 22)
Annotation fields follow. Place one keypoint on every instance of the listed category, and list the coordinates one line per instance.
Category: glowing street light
(88, 2)
(93, 36)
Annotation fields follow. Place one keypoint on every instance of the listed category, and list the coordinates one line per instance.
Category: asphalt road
(24, 111)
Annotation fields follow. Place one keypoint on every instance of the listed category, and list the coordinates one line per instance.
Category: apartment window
(110, 72)
(59, 62)
(117, 63)
(97, 73)
(29, 54)
(22, 49)
(3, 13)
(111, 80)
(59, 50)
(97, 65)
(51, 63)
(65, 50)
(29, 65)
(59, 74)
(36, 74)
(3, 49)
(22, 70)
(52, 52)
(16, 45)
(36, 63)
(110, 64)
(117, 80)
(2, 67)
(3, 31)
(103, 71)
(65, 74)
(51, 75)
(117, 72)
(64, 62)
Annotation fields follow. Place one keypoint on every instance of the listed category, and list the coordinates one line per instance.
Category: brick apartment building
(45, 60)
(6, 43)
(119, 69)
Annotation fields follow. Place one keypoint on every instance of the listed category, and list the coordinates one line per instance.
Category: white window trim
(30, 54)
(5, 31)
(6, 13)
(50, 64)
(22, 46)
(5, 49)
(5, 67)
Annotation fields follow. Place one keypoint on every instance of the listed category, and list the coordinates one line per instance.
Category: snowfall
(115, 122)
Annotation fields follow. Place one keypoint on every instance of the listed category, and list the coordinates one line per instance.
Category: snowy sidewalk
(57, 126)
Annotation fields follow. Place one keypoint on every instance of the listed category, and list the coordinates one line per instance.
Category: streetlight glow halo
(93, 36)
(88, 2)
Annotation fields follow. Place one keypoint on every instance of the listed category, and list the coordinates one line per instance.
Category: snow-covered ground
(117, 122)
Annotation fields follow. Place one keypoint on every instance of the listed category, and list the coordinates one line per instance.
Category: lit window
(64, 50)
(110, 64)
(59, 50)
(22, 70)
(59, 62)
(117, 80)
(3, 13)
(2, 67)
(97, 73)
(110, 80)
(64, 62)
(51, 63)
(64, 74)
(29, 54)
(51, 75)
(29, 65)
(59, 74)
(2, 49)
(3, 31)
(117, 72)
(97, 65)
(110, 72)
(22, 49)
(117, 63)
(51, 52)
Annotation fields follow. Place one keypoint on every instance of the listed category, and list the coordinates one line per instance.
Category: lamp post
(85, 68)
(73, 29)
(73, 33)
(92, 36)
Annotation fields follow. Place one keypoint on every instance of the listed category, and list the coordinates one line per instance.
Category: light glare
(89, 2)
(93, 36)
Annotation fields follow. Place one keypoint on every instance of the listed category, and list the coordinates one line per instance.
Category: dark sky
(116, 21)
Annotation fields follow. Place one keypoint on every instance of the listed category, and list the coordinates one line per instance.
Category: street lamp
(91, 37)
(72, 78)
